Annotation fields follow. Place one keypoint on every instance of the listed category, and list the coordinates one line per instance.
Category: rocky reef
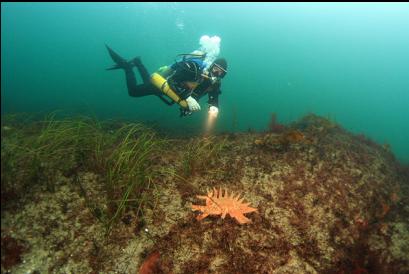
(328, 201)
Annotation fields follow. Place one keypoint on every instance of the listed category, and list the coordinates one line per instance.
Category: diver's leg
(131, 82)
(134, 89)
(148, 88)
(142, 70)
(143, 90)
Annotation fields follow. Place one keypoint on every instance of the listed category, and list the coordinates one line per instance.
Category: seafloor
(328, 201)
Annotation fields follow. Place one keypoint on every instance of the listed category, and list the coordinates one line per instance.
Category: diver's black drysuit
(177, 76)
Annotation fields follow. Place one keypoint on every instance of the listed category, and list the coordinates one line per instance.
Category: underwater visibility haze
(345, 61)
(303, 170)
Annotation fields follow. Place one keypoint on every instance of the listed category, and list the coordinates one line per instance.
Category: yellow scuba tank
(158, 81)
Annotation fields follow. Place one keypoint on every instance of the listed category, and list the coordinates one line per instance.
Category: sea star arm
(240, 217)
(201, 216)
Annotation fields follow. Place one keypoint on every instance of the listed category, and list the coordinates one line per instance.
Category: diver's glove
(214, 111)
(192, 103)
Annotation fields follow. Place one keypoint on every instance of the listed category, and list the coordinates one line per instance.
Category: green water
(345, 61)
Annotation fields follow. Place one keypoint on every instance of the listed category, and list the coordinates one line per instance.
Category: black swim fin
(120, 63)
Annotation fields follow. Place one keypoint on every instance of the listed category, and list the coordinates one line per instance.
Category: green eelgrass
(201, 153)
(35, 152)
(128, 169)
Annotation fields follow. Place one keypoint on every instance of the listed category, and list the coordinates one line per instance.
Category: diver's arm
(214, 97)
(213, 110)
(180, 91)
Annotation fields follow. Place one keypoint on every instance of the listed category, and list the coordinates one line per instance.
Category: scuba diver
(188, 79)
